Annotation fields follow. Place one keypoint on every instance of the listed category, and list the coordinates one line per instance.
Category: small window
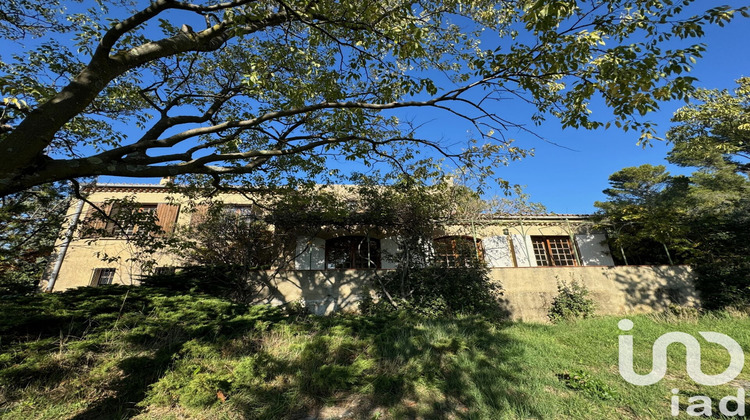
(458, 251)
(103, 276)
(352, 252)
(553, 251)
(164, 271)
(242, 212)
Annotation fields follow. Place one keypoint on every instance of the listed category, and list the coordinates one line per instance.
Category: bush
(18, 283)
(724, 283)
(227, 282)
(571, 302)
(434, 290)
(682, 312)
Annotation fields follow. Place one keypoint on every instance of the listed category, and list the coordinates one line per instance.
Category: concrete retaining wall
(615, 290)
(528, 291)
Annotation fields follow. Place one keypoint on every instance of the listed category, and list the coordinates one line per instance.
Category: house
(329, 269)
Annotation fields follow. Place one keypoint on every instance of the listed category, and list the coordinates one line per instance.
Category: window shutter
(95, 277)
(111, 227)
(92, 222)
(166, 215)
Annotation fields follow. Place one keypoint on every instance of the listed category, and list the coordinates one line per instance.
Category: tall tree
(272, 88)
(644, 211)
(713, 134)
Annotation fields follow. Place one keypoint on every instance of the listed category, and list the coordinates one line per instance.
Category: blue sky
(570, 181)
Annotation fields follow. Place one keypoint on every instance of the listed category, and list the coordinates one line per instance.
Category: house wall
(84, 255)
(514, 249)
(507, 246)
(322, 292)
(500, 250)
(82, 259)
(508, 252)
(528, 291)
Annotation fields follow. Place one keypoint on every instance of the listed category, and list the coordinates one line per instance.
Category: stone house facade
(329, 271)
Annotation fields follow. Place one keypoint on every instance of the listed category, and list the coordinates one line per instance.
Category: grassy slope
(120, 352)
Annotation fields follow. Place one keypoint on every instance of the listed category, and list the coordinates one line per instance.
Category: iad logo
(693, 367)
(693, 357)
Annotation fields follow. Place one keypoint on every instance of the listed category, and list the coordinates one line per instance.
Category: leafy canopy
(644, 207)
(714, 131)
(275, 90)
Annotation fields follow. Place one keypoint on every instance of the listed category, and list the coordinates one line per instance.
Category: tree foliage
(220, 249)
(233, 243)
(30, 222)
(274, 89)
(714, 131)
(225, 237)
(644, 209)
(402, 207)
(433, 290)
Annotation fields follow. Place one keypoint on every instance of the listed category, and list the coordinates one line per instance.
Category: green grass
(119, 352)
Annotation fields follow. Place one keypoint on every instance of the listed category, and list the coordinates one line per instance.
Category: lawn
(118, 352)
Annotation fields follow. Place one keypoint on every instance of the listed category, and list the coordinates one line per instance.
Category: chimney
(166, 180)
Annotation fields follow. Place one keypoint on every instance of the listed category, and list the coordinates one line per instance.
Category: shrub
(203, 390)
(723, 282)
(19, 282)
(682, 312)
(434, 290)
(571, 302)
(227, 282)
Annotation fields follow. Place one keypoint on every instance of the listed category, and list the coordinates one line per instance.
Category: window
(103, 276)
(133, 228)
(242, 212)
(95, 224)
(458, 251)
(163, 271)
(352, 252)
(553, 251)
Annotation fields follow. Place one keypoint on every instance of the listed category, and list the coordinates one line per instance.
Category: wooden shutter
(93, 222)
(166, 216)
(112, 228)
